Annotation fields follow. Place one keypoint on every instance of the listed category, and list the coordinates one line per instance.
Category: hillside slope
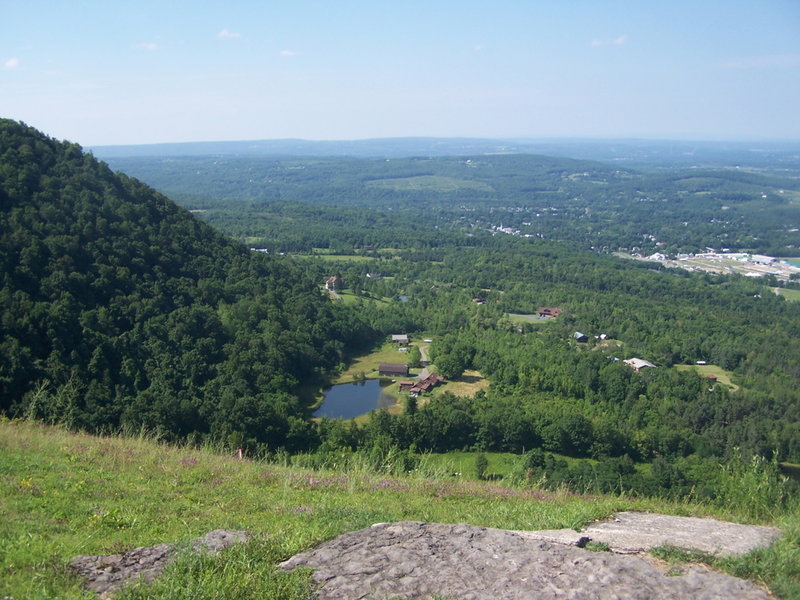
(121, 309)
(69, 494)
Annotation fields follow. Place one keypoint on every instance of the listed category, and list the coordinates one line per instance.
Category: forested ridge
(121, 309)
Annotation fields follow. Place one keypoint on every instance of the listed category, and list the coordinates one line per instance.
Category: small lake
(349, 400)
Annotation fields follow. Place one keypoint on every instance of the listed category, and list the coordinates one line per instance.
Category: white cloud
(11, 63)
(620, 41)
(288, 53)
(226, 33)
(770, 61)
(147, 46)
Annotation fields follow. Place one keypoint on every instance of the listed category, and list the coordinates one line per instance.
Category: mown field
(70, 494)
(723, 376)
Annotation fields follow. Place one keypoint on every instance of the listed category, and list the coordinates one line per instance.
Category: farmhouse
(580, 337)
(637, 364)
(333, 283)
(400, 338)
(548, 311)
(417, 387)
(393, 370)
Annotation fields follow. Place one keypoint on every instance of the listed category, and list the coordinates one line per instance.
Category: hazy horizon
(105, 74)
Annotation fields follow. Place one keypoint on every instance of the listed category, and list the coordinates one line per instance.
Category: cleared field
(338, 257)
(721, 374)
(469, 384)
(429, 183)
(522, 318)
(462, 464)
(791, 295)
(350, 298)
(368, 364)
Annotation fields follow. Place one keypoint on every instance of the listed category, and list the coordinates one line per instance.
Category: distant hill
(121, 309)
(594, 204)
(630, 152)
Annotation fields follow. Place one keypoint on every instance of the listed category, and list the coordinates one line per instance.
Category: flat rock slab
(106, 574)
(632, 532)
(638, 532)
(462, 562)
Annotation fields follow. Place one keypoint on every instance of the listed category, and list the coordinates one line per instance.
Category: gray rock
(106, 574)
(462, 562)
(638, 532)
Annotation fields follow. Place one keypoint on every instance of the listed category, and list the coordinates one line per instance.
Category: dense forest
(121, 309)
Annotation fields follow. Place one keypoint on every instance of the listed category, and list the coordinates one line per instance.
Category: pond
(349, 400)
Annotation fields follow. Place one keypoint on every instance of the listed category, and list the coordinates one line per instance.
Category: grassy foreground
(67, 494)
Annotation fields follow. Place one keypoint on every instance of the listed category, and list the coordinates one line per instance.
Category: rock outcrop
(105, 574)
(633, 532)
(462, 562)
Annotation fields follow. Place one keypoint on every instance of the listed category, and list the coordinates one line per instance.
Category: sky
(123, 72)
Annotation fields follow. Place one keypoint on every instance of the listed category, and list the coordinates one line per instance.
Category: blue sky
(124, 72)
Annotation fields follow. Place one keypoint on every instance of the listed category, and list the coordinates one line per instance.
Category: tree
(481, 465)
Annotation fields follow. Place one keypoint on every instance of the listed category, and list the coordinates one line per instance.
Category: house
(417, 387)
(393, 370)
(637, 364)
(548, 311)
(333, 284)
(580, 337)
(401, 338)
(479, 300)
(374, 276)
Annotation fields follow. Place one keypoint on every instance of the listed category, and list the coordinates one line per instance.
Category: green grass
(350, 298)
(66, 494)
(368, 363)
(721, 374)
(338, 257)
(520, 318)
(790, 295)
(463, 463)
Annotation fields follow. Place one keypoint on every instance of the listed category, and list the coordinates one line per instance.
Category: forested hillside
(121, 309)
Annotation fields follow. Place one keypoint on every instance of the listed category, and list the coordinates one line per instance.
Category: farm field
(721, 374)
(367, 365)
(469, 384)
(791, 295)
(532, 318)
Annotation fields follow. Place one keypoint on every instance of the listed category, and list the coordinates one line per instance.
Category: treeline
(120, 309)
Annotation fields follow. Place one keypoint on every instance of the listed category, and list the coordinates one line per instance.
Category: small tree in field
(481, 464)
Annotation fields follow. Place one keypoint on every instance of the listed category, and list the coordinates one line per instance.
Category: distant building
(393, 370)
(548, 311)
(762, 260)
(637, 364)
(479, 300)
(333, 284)
(400, 338)
(580, 337)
